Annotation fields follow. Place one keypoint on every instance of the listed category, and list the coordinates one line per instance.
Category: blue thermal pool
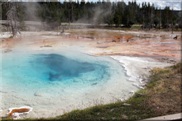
(46, 69)
(59, 80)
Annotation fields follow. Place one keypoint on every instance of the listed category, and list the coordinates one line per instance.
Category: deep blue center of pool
(54, 68)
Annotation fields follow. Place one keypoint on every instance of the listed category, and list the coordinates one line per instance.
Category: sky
(173, 4)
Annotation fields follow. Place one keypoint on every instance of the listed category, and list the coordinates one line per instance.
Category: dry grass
(164, 94)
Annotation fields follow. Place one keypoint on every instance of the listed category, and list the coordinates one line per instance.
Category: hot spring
(55, 82)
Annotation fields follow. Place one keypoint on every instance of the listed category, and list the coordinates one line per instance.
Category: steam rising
(31, 10)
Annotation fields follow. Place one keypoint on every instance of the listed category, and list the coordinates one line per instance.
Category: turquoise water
(50, 68)
(51, 81)
(27, 73)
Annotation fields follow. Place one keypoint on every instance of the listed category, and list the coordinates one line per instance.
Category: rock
(111, 110)
(94, 84)
(124, 116)
(103, 118)
(98, 113)
(37, 94)
(113, 40)
(132, 92)
(175, 37)
(126, 104)
(113, 118)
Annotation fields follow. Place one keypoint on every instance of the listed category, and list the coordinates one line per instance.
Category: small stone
(103, 118)
(126, 104)
(124, 116)
(113, 40)
(37, 94)
(111, 110)
(94, 84)
(113, 118)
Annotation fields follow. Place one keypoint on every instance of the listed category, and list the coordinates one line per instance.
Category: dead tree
(13, 18)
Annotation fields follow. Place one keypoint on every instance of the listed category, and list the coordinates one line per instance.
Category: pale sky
(175, 4)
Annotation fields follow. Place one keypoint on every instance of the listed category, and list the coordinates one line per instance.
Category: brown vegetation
(164, 95)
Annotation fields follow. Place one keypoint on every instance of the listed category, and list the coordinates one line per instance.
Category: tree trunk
(13, 18)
